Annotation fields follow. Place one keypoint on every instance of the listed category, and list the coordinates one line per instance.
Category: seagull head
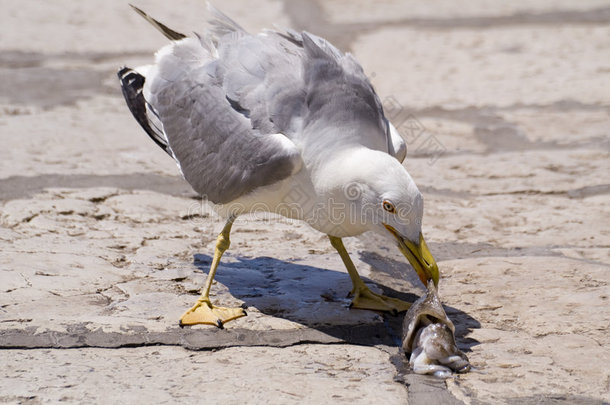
(386, 200)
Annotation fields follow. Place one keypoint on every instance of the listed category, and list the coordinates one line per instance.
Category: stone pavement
(505, 108)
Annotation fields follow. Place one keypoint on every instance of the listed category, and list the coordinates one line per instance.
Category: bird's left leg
(204, 312)
(364, 298)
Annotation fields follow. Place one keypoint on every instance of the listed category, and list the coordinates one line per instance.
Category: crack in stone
(79, 335)
(17, 59)
(579, 193)
(16, 187)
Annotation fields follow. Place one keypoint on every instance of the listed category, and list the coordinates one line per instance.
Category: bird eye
(389, 207)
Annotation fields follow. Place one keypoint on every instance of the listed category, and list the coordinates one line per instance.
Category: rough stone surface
(236, 375)
(505, 110)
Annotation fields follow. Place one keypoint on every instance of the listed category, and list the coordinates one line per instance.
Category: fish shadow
(316, 298)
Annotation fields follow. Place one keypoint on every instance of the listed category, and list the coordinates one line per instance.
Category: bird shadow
(317, 298)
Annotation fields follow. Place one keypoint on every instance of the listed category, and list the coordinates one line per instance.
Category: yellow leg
(364, 298)
(204, 312)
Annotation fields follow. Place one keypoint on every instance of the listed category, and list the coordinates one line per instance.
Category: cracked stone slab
(304, 374)
(460, 68)
(349, 11)
(113, 268)
(560, 128)
(91, 25)
(115, 249)
(526, 171)
(104, 141)
(521, 221)
(512, 225)
(539, 322)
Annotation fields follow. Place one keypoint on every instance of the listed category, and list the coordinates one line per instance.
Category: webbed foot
(364, 298)
(204, 312)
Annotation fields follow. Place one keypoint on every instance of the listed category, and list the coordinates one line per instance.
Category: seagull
(281, 122)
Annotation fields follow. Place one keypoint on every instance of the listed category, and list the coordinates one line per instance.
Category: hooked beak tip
(418, 255)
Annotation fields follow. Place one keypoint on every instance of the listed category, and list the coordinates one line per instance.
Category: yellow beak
(418, 255)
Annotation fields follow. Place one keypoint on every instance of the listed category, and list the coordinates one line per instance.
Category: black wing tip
(131, 80)
(123, 71)
(132, 83)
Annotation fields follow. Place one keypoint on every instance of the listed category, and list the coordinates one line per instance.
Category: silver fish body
(428, 338)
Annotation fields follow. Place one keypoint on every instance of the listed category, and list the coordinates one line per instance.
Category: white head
(382, 197)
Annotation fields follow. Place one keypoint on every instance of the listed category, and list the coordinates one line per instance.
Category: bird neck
(341, 183)
(321, 142)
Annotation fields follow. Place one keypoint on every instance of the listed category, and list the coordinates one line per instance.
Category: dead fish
(428, 336)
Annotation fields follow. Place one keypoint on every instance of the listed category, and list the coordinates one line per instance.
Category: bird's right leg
(204, 312)
(364, 298)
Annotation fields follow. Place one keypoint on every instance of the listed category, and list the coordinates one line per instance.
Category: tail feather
(165, 30)
(131, 84)
(221, 24)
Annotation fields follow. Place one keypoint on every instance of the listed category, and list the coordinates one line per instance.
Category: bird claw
(204, 312)
(364, 298)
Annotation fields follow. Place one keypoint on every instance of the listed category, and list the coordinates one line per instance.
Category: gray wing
(263, 78)
(219, 152)
(234, 106)
(301, 85)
